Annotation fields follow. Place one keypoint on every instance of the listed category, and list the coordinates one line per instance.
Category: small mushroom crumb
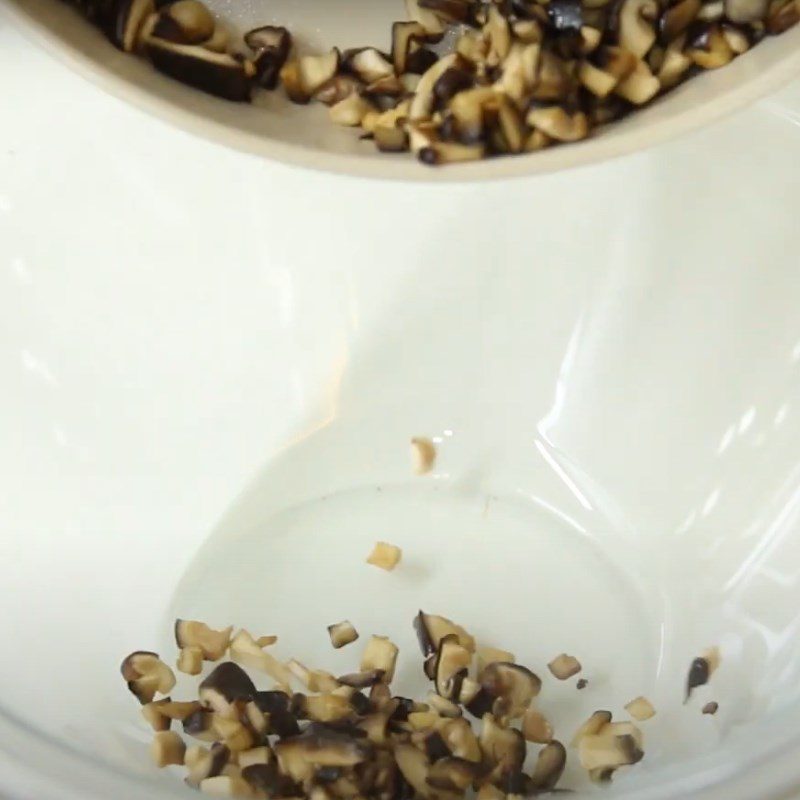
(190, 660)
(167, 748)
(711, 708)
(564, 666)
(581, 684)
(342, 634)
(423, 455)
(701, 670)
(640, 709)
(386, 556)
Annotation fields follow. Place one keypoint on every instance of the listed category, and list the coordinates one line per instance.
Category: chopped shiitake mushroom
(564, 666)
(701, 669)
(488, 655)
(342, 633)
(507, 77)
(593, 725)
(640, 708)
(167, 748)
(549, 767)
(213, 643)
(224, 688)
(506, 691)
(352, 737)
(246, 651)
(147, 675)
(190, 660)
(536, 728)
(380, 654)
(384, 555)
(423, 451)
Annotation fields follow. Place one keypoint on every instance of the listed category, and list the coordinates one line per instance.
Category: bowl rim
(29, 16)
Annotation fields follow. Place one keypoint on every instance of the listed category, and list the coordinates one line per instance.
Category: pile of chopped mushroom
(521, 75)
(350, 737)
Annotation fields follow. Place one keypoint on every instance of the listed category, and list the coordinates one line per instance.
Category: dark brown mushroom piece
(435, 746)
(549, 767)
(271, 45)
(502, 748)
(421, 109)
(452, 662)
(218, 74)
(267, 778)
(225, 687)
(419, 61)
(701, 669)
(711, 708)
(450, 83)
(510, 687)
(147, 675)
(404, 35)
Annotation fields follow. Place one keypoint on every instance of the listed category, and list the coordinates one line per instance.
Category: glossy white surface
(303, 136)
(209, 360)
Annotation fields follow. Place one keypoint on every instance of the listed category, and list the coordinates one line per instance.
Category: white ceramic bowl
(304, 136)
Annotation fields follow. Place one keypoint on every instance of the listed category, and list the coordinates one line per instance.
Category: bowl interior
(217, 427)
(273, 127)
